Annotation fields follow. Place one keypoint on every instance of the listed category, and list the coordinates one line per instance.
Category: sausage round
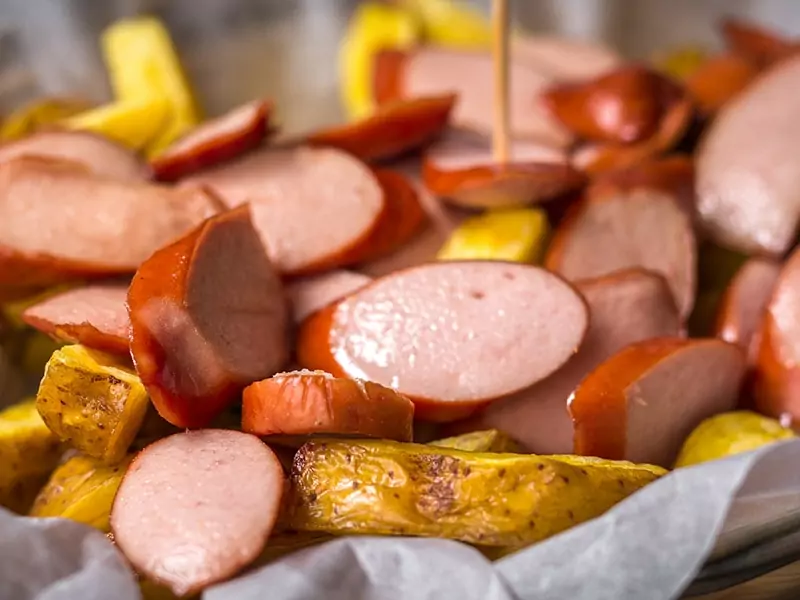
(718, 80)
(432, 332)
(643, 402)
(755, 43)
(208, 317)
(310, 294)
(95, 316)
(214, 141)
(315, 402)
(197, 507)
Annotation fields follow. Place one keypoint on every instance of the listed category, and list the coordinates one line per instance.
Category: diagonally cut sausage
(307, 295)
(393, 130)
(94, 316)
(624, 307)
(214, 141)
(429, 332)
(315, 402)
(208, 317)
(757, 44)
(643, 402)
(197, 507)
(718, 80)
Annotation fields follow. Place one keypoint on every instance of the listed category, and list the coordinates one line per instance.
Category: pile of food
(250, 346)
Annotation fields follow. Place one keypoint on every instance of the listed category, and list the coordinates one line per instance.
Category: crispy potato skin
(490, 440)
(390, 488)
(92, 402)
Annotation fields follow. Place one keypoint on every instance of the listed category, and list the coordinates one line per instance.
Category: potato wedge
(728, 434)
(91, 401)
(82, 489)
(452, 24)
(491, 440)
(28, 454)
(38, 114)
(134, 123)
(390, 488)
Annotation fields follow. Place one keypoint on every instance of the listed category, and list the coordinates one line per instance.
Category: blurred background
(236, 50)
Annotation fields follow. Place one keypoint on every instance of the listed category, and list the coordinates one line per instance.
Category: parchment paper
(652, 546)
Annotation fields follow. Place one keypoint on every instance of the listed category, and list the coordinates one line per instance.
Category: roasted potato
(490, 440)
(82, 489)
(28, 454)
(39, 114)
(91, 401)
(134, 124)
(390, 488)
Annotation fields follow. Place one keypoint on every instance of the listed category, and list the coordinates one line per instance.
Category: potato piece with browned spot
(490, 440)
(391, 488)
(92, 401)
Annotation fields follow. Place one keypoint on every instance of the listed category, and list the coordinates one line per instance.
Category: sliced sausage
(394, 129)
(214, 141)
(624, 308)
(643, 402)
(208, 317)
(777, 374)
(314, 207)
(742, 306)
(462, 169)
(718, 80)
(315, 402)
(100, 155)
(310, 294)
(431, 71)
(562, 58)
(197, 507)
(59, 222)
(616, 226)
(759, 45)
(429, 332)
(747, 180)
(95, 316)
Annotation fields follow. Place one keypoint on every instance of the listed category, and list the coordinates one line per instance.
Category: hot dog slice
(59, 222)
(311, 402)
(619, 226)
(754, 42)
(430, 331)
(624, 308)
(746, 180)
(94, 316)
(197, 507)
(742, 306)
(214, 141)
(312, 206)
(718, 80)
(564, 59)
(310, 294)
(395, 129)
(643, 402)
(461, 168)
(100, 155)
(777, 371)
(208, 317)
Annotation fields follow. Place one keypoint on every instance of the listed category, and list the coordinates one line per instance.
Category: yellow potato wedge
(82, 489)
(449, 23)
(490, 440)
(373, 27)
(728, 434)
(91, 401)
(143, 65)
(28, 454)
(390, 488)
(133, 123)
(39, 114)
(518, 235)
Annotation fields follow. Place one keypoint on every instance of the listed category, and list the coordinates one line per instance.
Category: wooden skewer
(500, 142)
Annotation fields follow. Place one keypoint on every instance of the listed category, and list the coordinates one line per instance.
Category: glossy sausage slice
(95, 316)
(777, 377)
(314, 207)
(394, 129)
(100, 155)
(643, 402)
(429, 332)
(624, 308)
(755, 43)
(310, 294)
(59, 222)
(197, 507)
(718, 80)
(315, 402)
(743, 305)
(562, 58)
(619, 226)
(746, 177)
(461, 168)
(214, 141)
(208, 317)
